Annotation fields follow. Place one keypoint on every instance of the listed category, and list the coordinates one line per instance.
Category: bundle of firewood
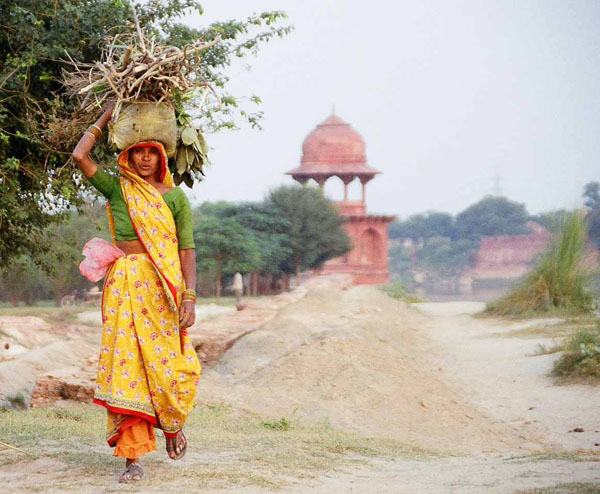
(135, 68)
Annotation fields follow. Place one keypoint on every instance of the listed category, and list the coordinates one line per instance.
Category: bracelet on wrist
(95, 131)
(99, 129)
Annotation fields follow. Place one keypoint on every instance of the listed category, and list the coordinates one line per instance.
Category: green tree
(37, 182)
(417, 226)
(316, 233)
(225, 245)
(400, 260)
(23, 280)
(492, 216)
(268, 229)
(591, 193)
(447, 256)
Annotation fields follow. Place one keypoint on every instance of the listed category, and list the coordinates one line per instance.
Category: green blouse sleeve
(104, 182)
(184, 222)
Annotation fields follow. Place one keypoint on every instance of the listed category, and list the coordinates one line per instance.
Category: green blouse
(108, 185)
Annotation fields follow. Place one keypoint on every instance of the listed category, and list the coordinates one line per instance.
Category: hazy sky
(447, 94)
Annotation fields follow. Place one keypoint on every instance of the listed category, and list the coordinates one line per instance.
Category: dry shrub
(582, 356)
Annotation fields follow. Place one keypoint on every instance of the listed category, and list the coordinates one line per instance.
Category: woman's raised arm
(87, 142)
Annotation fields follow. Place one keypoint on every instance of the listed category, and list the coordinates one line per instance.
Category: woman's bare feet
(176, 446)
(133, 471)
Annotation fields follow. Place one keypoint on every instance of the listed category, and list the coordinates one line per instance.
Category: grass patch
(559, 283)
(567, 488)
(581, 359)
(37, 430)
(398, 291)
(282, 424)
(226, 449)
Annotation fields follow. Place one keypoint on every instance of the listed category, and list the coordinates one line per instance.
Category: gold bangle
(189, 292)
(92, 134)
(95, 132)
(99, 129)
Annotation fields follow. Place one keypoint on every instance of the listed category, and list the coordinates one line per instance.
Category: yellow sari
(148, 368)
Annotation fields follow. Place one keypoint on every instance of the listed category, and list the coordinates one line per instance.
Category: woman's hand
(110, 107)
(187, 314)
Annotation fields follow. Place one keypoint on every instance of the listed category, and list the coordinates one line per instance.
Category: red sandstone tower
(335, 149)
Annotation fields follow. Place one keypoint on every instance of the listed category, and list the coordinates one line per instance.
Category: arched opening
(370, 247)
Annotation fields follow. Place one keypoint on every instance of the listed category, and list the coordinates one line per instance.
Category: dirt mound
(32, 347)
(18, 376)
(358, 359)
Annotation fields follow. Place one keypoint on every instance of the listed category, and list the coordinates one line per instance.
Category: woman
(148, 370)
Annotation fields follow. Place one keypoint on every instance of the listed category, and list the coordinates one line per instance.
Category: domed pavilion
(335, 149)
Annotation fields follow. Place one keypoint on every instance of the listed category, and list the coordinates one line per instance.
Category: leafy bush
(559, 281)
(582, 356)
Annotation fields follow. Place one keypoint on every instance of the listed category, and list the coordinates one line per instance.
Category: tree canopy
(226, 245)
(316, 232)
(446, 245)
(430, 224)
(269, 231)
(37, 180)
(492, 216)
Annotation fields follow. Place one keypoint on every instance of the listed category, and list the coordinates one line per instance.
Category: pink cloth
(99, 256)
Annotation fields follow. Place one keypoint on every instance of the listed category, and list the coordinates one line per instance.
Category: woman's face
(144, 161)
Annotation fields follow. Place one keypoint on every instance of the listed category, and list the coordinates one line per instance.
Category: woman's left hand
(187, 314)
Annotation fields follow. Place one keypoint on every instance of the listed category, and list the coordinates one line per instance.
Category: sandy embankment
(362, 361)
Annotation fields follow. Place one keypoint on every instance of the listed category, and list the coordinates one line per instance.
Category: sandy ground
(430, 375)
(496, 367)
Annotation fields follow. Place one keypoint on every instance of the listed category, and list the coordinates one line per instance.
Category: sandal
(133, 469)
(171, 442)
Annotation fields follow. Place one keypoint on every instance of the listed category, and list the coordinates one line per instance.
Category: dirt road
(497, 368)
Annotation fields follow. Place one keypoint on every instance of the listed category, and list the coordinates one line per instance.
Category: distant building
(335, 149)
(512, 256)
(509, 256)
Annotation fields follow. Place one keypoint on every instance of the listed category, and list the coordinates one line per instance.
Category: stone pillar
(346, 179)
(363, 180)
